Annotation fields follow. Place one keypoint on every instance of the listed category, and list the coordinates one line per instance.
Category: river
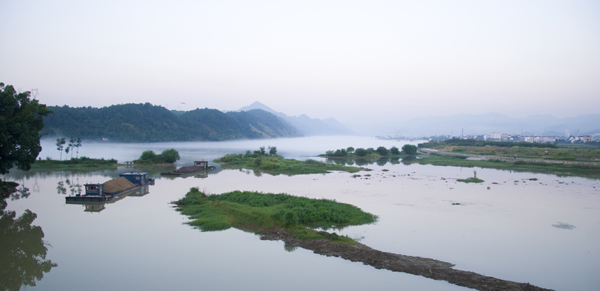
(524, 227)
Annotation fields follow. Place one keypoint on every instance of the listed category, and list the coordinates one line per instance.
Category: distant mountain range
(306, 125)
(149, 123)
(472, 124)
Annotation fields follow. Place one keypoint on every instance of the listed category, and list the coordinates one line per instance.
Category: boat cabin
(201, 164)
(137, 178)
(94, 189)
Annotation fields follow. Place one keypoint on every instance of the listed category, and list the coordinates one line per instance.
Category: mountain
(149, 123)
(473, 124)
(306, 125)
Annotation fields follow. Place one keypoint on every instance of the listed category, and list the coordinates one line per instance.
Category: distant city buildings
(497, 136)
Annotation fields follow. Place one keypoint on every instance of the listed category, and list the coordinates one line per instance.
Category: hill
(475, 124)
(150, 123)
(306, 125)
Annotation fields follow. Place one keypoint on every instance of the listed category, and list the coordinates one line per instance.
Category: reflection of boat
(113, 189)
(189, 170)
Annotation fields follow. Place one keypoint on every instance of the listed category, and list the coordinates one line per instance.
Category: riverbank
(556, 167)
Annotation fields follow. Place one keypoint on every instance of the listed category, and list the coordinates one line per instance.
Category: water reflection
(22, 250)
(95, 207)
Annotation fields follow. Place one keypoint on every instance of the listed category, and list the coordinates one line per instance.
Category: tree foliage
(360, 152)
(167, 156)
(409, 149)
(20, 124)
(150, 123)
(382, 151)
(170, 156)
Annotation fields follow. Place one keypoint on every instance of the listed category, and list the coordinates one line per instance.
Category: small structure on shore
(202, 164)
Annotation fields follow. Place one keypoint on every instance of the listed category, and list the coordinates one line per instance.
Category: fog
(360, 62)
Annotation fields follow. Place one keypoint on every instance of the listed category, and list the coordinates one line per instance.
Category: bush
(169, 156)
(382, 151)
(409, 149)
(148, 155)
(360, 152)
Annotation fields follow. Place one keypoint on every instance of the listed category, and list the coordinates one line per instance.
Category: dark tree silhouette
(22, 251)
(20, 125)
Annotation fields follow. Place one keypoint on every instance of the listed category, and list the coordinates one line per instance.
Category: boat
(188, 170)
(111, 189)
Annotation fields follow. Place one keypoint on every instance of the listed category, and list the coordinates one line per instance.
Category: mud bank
(429, 268)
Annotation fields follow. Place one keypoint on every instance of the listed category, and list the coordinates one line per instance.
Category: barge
(188, 170)
(111, 189)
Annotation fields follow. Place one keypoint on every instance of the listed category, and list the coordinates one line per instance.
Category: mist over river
(518, 226)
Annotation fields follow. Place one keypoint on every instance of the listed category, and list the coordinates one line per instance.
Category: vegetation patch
(75, 163)
(519, 166)
(258, 212)
(522, 150)
(271, 163)
(470, 180)
(166, 157)
(371, 153)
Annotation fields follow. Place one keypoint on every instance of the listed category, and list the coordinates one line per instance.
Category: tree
(409, 149)
(382, 151)
(350, 150)
(394, 150)
(77, 145)
(169, 156)
(148, 155)
(60, 145)
(72, 143)
(20, 125)
(360, 152)
(272, 151)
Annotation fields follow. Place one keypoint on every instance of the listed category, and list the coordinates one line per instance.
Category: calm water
(545, 232)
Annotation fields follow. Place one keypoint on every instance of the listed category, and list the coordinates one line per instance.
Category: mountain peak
(257, 105)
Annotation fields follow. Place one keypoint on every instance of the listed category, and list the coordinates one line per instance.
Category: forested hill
(149, 123)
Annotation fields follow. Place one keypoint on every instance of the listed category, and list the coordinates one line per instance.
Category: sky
(357, 61)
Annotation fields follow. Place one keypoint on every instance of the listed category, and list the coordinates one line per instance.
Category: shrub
(382, 151)
(409, 149)
(360, 152)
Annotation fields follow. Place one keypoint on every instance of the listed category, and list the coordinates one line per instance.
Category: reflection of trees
(22, 250)
(22, 192)
(74, 187)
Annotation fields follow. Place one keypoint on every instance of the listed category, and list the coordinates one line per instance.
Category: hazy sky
(357, 61)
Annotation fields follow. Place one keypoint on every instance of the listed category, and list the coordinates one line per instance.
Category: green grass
(519, 166)
(470, 180)
(74, 163)
(256, 212)
(520, 150)
(276, 165)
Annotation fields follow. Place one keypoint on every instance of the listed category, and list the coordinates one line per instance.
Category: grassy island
(258, 212)
(271, 163)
